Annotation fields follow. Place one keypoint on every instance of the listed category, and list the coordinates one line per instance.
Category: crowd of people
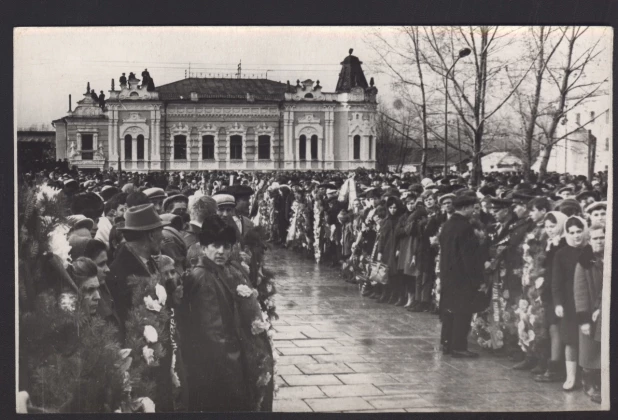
(169, 268)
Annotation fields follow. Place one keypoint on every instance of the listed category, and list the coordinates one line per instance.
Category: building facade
(592, 119)
(225, 124)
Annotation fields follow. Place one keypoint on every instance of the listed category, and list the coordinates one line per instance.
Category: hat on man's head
(174, 199)
(569, 206)
(564, 189)
(79, 221)
(463, 200)
(522, 196)
(154, 193)
(238, 191)
(108, 192)
(223, 199)
(446, 196)
(585, 194)
(78, 245)
(500, 203)
(215, 230)
(595, 206)
(174, 220)
(331, 192)
(142, 218)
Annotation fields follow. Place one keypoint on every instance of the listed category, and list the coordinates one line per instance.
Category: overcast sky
(51, 63)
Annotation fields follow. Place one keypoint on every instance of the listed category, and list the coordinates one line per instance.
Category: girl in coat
(554, 229)
(387, 250)
(406, 266)
(562, 292)
(588, 285)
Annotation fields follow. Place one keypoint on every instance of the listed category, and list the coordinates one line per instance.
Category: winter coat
(387, 243)
(514, 259)
(219, 349)
(546, 294)
(563, 275)
(587, 289)
(461, 265)
(173, 245)
(406, 244)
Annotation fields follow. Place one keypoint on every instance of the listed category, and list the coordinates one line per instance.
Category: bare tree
(485, 43)
(569, 83)
(540, 51)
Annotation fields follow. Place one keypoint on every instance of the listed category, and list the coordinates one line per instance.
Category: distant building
(222, 124)
(571, 154)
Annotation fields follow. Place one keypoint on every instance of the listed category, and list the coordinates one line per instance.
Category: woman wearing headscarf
(563, 293)
(588, 285)
(554, 229)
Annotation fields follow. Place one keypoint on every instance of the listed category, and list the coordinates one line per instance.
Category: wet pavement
(340, 352)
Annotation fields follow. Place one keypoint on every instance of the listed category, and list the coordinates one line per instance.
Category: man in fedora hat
(142, 231)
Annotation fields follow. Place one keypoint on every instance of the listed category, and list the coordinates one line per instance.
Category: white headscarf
(560, 221)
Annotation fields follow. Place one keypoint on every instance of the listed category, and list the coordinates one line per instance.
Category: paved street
(339, 352)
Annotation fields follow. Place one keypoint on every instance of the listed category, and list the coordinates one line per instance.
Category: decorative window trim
(209, 130)
(236, 130)
(264, 130)
(179, 129)
(310, 126)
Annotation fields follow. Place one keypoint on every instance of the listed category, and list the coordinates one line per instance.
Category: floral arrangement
(318, 223)
(74, 360)
(149, 338)
(530, 326)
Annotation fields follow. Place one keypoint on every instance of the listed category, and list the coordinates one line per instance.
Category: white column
(111, 147)
(122, 154)
(330, 140)
(320, 149)
(134, 149)
(146, 148)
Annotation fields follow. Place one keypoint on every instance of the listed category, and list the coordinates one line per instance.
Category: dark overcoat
(214, 347)
(461, 265)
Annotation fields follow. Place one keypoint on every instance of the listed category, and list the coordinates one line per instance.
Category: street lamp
(464, 52)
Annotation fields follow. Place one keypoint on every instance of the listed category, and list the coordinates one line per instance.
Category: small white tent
(501, 162)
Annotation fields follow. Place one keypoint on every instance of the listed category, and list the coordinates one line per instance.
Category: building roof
(220, 88)
(351, 74)
(33, 136)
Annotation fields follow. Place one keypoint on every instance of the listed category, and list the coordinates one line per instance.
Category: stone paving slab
(295, 380)
(338, 404)
(340, 352)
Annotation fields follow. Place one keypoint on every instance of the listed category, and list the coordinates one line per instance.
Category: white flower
(46, 191)
(532, 318)
(531, 335)
(148, 406)
(264, 379)
(539, 282)
(258, 326)
(530, 236)
(244, 291)
(175, 379)
(148, 354)
(150, 334)
(523, 304)
(67, 302)
(525, 247)
(161, 294)
(521, 327)
(59, 244)
(269, 288)
(152, 305)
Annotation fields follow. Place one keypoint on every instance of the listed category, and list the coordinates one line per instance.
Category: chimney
(112, 84)
(70, 110)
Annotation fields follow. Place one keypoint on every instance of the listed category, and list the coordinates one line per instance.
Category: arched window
(314, 147)
(208, 147)
(180, 147)
(264, 147)
(140, 147)
(309, 96)
(370, 147)
(357, 147)
(236, 147)
(302, 148)
(128, 147)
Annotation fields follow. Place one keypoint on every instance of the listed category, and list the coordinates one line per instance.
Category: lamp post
(464, 52)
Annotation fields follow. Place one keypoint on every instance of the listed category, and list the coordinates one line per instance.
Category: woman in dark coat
(425, 254)
(562, 292)
(554, 228)
(588, 286)
(406, 266)
(387, 250)
(225, 344)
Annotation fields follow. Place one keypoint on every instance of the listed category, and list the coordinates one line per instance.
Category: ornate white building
(220, 124)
